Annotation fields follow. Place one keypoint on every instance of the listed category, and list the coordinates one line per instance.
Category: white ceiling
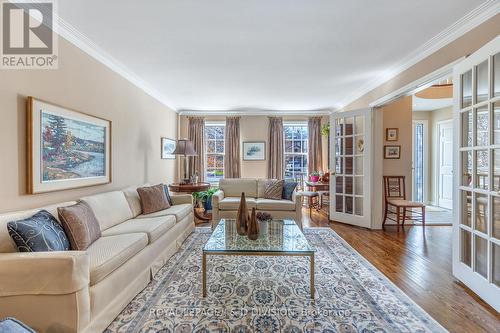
(259, 54)
(428, 104)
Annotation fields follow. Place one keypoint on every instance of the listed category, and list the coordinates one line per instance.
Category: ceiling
(260, 54)
(427, 104)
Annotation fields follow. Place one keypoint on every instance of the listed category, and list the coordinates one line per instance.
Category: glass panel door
(350, 142)
(476, 259)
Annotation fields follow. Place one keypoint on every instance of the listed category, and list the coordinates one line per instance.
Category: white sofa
(226, 200)
(83, 291)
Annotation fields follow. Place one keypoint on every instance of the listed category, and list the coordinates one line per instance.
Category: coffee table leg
(204, 275)
(312, 275)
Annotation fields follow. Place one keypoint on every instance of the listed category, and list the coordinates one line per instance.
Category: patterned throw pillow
(167, 194)
(38, 233)
(274, 189)
(288, 188)
(153, 199)
(80, 225)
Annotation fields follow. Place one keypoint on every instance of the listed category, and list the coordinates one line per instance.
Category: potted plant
(314, 176)
(197, 200)
(206, 197)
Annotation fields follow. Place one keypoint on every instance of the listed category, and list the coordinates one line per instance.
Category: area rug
(271, 294)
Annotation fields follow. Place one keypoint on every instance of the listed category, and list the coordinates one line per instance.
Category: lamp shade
(184, 147)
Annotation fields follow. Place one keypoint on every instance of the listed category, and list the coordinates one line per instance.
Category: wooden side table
(190, 188)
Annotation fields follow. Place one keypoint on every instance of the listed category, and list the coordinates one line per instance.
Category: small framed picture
(167, 147)
(391, 134)
(392, 152)
(254, 151)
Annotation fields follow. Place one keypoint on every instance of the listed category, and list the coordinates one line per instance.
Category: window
(295, 137)
(214, 152)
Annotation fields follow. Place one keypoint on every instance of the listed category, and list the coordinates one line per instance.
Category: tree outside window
(214, 152)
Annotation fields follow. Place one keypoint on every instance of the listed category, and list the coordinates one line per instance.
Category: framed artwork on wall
(167, 148)
(392, 152)
(66, 148)
(254, 151)
(391, 134)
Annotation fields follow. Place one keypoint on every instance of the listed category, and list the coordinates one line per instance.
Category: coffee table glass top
(274, 236)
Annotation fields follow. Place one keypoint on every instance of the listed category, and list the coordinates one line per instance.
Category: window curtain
(232, 167)
(275, 164)
(314, 155)
(196, 133)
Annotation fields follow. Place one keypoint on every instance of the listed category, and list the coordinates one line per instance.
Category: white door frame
(425, 122)
(481, 286)
(366, 219)
(437, 156)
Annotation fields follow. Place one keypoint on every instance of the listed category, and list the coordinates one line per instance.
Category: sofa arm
(179, 199)
(43, 273)
(297, 198)
(216, 198)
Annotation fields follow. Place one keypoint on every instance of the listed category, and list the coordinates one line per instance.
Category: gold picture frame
(391, 134)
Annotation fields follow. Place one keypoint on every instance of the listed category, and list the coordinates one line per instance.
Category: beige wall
(81, 83)
(255, 128)
(461, 47)
(399, 115)
(433, 119)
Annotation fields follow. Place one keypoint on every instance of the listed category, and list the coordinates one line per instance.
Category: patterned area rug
(271, 294)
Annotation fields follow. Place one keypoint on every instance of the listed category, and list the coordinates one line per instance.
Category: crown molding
(255, 112)
(470, 21)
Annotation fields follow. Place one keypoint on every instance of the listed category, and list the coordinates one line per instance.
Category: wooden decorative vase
(253, 227)
(242, 216)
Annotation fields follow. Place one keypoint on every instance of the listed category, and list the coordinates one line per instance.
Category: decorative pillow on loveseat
(288, 188)
(80, 224)
(40, 232)
(153, 199)
(274, 189)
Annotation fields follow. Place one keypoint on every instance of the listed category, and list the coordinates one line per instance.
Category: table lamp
(184, 147)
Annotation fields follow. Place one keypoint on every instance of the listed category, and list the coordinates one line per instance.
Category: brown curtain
(275, 165)
(232, 167)
(196, 133)
(314, 156)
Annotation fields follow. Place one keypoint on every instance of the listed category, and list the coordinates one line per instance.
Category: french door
(350, 189)
(445, 164)
(476, 246)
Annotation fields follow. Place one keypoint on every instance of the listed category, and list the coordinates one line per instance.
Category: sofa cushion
(80, 224)
(110, 252)
(133, 199)
(110, 208)
(179, 211)
(233, 187)
(274, 189)
(269, 204)
(261, 186)
(7, 244)
(232, 203)
(153, 199)
(38, 233)
(154, 227)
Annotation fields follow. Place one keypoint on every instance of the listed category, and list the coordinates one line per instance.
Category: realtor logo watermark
(28, 38)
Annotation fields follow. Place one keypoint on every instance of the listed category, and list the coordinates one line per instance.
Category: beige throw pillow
(274, 189)
(80, 224)
(153, 199)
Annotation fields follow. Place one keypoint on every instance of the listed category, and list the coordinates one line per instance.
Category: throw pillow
(274, 189)
(288, 188)
(80, 225)
(153, 199)
(167, 194)
(12, 325)
(40, 232)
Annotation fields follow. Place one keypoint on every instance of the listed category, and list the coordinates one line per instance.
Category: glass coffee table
(276, 238)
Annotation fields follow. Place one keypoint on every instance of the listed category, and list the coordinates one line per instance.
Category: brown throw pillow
(274, 189)
(153, 199)
(80, 225)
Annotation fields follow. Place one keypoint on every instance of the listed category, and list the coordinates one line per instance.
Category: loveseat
(226, 200)
(83, 291)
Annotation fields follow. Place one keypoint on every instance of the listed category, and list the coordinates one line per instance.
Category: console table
(190, 188)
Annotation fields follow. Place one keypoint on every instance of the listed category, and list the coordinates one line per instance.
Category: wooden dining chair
(395, 196)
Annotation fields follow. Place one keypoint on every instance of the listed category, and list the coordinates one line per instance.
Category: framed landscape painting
(66, 149)
(254, 151)
(167, 148)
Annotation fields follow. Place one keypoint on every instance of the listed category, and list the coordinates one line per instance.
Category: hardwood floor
(419, 262)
